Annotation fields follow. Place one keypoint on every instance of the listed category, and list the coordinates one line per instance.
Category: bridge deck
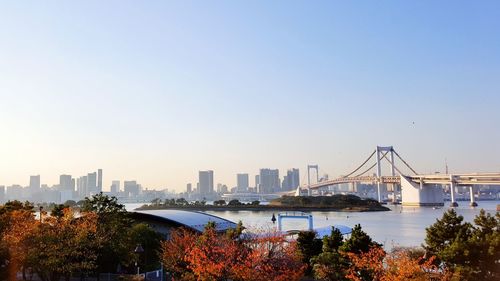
(458, 179)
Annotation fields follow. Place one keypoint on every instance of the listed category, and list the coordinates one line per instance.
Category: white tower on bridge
(309, 167)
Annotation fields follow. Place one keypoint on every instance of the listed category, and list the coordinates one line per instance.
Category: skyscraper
(206, 180)
(66, 182)
(91, 183)
(189, 188)
(131, 188)
(291, 180)
(115, 187)
(242, 182)
(99, 180)
(269, 181)
(81, 187)
(2, 194)
(34, 183)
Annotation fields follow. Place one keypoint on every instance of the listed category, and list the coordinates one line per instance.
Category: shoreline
(268, 208)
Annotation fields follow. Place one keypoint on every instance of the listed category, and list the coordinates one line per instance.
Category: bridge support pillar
(452, 192)
(379, 192)
(472, 199)
(420, 194)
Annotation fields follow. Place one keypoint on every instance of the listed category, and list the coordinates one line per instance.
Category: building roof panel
(191, 219)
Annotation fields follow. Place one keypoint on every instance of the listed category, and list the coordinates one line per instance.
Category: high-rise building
(206, 179)
(257, 182)
(2, 194)
(115, 187)
(81, 187)
(242, 182)
(291, 180)
(131, 188)
(66, 182)
(92, 183)
(269, 181)
(34, 183)
(189, 188)
(99, 180)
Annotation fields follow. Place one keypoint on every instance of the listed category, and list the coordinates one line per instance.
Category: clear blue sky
(157, 90)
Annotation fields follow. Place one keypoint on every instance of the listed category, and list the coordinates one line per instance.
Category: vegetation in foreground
(101, 238)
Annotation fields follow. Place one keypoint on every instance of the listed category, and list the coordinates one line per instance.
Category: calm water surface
(404, 226)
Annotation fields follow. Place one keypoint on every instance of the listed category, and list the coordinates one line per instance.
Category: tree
(58, 210)
(330, 264)
(150, 241)
(181, 202)
(469, 251)
(61, 246)
(359, 242)
(395, 266)
(220, 202)
(212, 256)
(115, 247)
(174, 253)
(234, 202)
(156, 201)
(308, 246)
(15, 239)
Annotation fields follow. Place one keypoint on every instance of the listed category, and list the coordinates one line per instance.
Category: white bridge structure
(416, 189)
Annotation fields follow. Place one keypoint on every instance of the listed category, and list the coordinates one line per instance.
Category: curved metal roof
(190, 219)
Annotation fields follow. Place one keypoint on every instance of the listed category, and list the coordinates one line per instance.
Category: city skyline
(156, 92)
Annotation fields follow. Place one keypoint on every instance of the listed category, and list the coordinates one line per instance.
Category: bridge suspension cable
(372, 166)
(404, 162)
(395, 168)
(371, 155)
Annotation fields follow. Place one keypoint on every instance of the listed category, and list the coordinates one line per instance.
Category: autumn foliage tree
(396, 266)
(214, 256)
(52, 248)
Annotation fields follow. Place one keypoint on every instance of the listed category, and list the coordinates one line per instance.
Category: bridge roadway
(457, 179)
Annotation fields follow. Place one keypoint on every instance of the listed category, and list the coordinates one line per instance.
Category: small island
(338, 202)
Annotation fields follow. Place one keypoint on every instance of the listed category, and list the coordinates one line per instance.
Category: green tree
(308, 245)
(235, 233)
(485, 246)
(181, 202)
(447, 239)
(112, 232)
(58, 210)
(150, 241)
(234, 202)
(221, 202)
(330, 264)
(472, 252)
(359, 242)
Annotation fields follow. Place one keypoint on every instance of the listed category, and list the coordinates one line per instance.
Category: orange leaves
(52, 248)
(210, 256)
(393, 267)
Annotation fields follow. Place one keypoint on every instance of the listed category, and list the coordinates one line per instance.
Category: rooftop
(191, 219)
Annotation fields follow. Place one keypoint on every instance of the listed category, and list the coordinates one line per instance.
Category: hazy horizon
(156, 91)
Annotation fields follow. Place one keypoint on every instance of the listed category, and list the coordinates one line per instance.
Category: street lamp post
(138, 250)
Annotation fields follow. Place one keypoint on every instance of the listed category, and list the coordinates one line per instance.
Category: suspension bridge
(416, 189)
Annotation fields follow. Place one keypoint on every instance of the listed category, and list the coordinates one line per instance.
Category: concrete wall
(412, 194)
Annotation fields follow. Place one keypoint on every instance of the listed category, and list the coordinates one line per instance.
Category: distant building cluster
(267, 182)
(76, 189)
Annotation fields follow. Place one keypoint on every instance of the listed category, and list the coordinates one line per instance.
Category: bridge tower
(313, 167)
(381, 152)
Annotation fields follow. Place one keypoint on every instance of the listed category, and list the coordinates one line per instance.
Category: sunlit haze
(155, 91)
